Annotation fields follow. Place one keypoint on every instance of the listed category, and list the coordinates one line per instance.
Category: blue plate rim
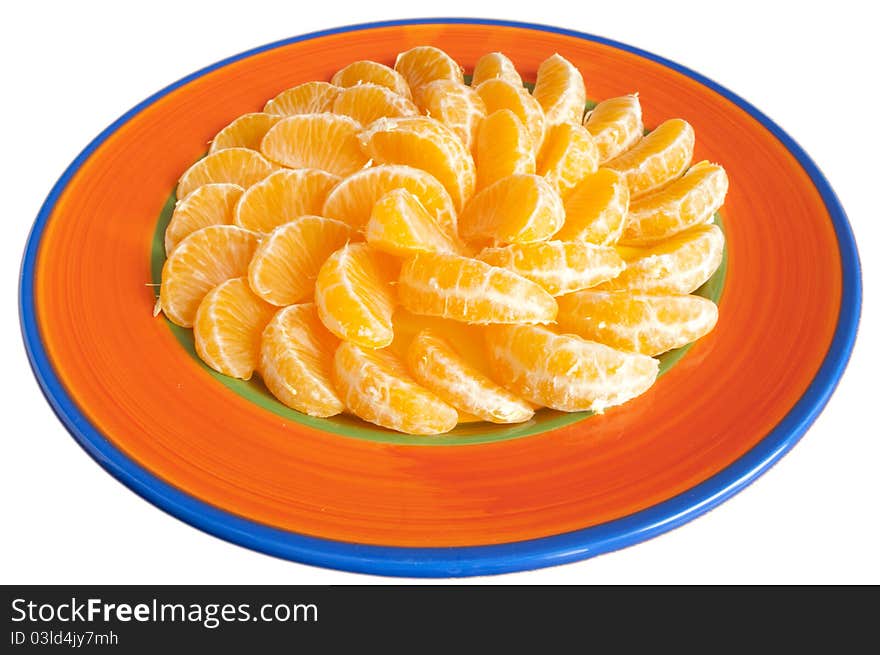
(468, 560)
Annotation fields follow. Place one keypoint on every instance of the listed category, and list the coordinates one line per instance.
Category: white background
(70, 68)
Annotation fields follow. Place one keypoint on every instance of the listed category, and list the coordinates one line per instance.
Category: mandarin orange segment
(595, 210)
(352, 199)
(355, 297)
(426, 144)
(568, 155)
(246, 131)
(679, 265)
(375, 386)
(560, 90)
(400, 225)
(296, 361)
(282, 197)
(646, 324)
(308, 98)
(204, 259)
(464, 289)
(500, 94)
(559, 267)
(457, 106)
(229, 166)
(564, 371)
(468, 339)
(324, 141)
(423, 64)
(436, 365)
(286, 263)
(515, 209)
(372, 72)
(368, 102)
(495, 65)
(616, 125)
(683, 203)
(663, 155)
(211, 204)
(227, 328)
(504, 148)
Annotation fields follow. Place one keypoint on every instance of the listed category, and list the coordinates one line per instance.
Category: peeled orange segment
(422, 65)
(227, 328)
(683, 203)
(426, 144)
(368, 102)
(567, 156)
(436, 365)
(308, 98)
(375, 386)
(286, 263)
(645, 324)
(679, 265)
(246, 131)
(325, 141)
(495, 65)
(661, 156)
(352, 200)
(372, 72)
(595, 210)
(504, 148)
(457, 106)
(355, 297)
(515, 209)
(564, 371)
(464, 289)
(229, 166)
(204, 259)
(560, 90)
(400, 225)
(211, 204)
(296, 361)
(559, 267)
(468, 339)
(500, 94)
(616, 125)
(282, 197)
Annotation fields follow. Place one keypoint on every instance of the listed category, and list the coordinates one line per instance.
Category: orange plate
(151, 415)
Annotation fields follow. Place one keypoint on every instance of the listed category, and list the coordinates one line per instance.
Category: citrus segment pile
(419, 251)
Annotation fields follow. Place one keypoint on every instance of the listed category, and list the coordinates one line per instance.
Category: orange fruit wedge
(500, 94)
(285, 266)
(616, 125)
(296, 361)
(464, 289)
(595, 210)
(426, 144)
(437, 366)
(468, 339)
(308, 98)
(229, 166)
(567, 156)
(495, 65)
(204, 259)
(355, 297)
(325, 141)
(423, 64)
(375, 386)
(227, 328)
(515, 209)
(656, 159)
(564, 371)
(504, 148)
(639, 323)
(683, 203)
(211, 204)
(400, 225)
(352, 200)
(246, 131)
(368, 102)
(359, 72)
(282, 197)
(679, 265)
(559, 267)
(457, 106)
(560, 90)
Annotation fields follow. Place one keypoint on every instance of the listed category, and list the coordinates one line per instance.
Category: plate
(226, 458)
